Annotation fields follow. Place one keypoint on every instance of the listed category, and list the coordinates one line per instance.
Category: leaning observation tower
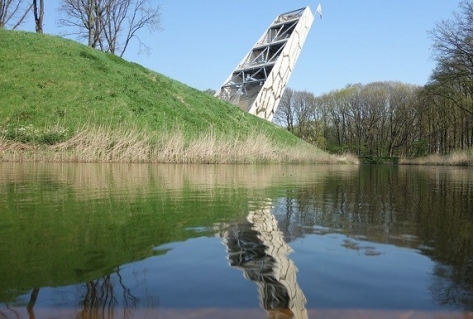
(257, 83)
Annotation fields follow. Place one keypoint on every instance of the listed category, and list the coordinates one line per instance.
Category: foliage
(380, 119)
(373, 120)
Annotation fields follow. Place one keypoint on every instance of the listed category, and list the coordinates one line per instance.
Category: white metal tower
(257, 83)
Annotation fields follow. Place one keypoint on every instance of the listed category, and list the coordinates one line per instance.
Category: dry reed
(103, 144)
(459, 158)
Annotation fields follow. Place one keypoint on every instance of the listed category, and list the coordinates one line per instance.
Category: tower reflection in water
(256, 247)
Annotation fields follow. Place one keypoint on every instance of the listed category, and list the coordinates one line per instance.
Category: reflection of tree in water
(31, 302)
(258, 249)
(101, 298)
(449, 287)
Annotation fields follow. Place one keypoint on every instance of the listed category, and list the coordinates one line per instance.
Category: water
(227, 241)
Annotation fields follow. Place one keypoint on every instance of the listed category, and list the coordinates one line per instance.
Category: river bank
(100, 144)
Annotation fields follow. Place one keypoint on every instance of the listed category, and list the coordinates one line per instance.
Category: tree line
(107, 25)
(391, 118)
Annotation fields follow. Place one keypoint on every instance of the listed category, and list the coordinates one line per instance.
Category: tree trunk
(38, 15)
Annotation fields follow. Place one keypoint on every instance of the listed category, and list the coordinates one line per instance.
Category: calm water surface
(205, 241)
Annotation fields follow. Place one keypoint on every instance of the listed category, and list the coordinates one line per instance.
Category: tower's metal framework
(257, 83)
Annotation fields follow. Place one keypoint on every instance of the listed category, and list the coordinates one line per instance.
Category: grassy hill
(60, 100)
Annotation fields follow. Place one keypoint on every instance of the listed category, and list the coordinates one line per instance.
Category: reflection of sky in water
(196, 273)
(332, 274)
(340, 272)
(191, 274)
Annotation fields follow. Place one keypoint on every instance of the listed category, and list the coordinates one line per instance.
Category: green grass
(51, 89)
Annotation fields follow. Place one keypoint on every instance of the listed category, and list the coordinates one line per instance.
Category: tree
(452, 50)
(449, 90)
(83, 17)
(401, 116)
(376, 119)
(285, 113)
(38, 14)
(13, 13)
(304, 108)
(124, 18)
(110, 25)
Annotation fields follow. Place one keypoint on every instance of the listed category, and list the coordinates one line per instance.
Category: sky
(202, 41)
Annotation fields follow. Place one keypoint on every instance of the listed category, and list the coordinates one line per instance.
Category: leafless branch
(111, 24)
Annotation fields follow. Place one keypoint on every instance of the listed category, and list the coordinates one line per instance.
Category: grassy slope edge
(61, 100)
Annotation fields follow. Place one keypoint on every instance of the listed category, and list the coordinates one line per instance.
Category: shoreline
(105, 145)
(210, 154)
(108, 146)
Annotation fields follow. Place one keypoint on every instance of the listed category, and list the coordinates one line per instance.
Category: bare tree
(452, 41)
(110, 24)
(124, 18)
(38, 13)
(304, 106)
(452, 50)
(13, 13)
(83, 17)
(285, 114)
